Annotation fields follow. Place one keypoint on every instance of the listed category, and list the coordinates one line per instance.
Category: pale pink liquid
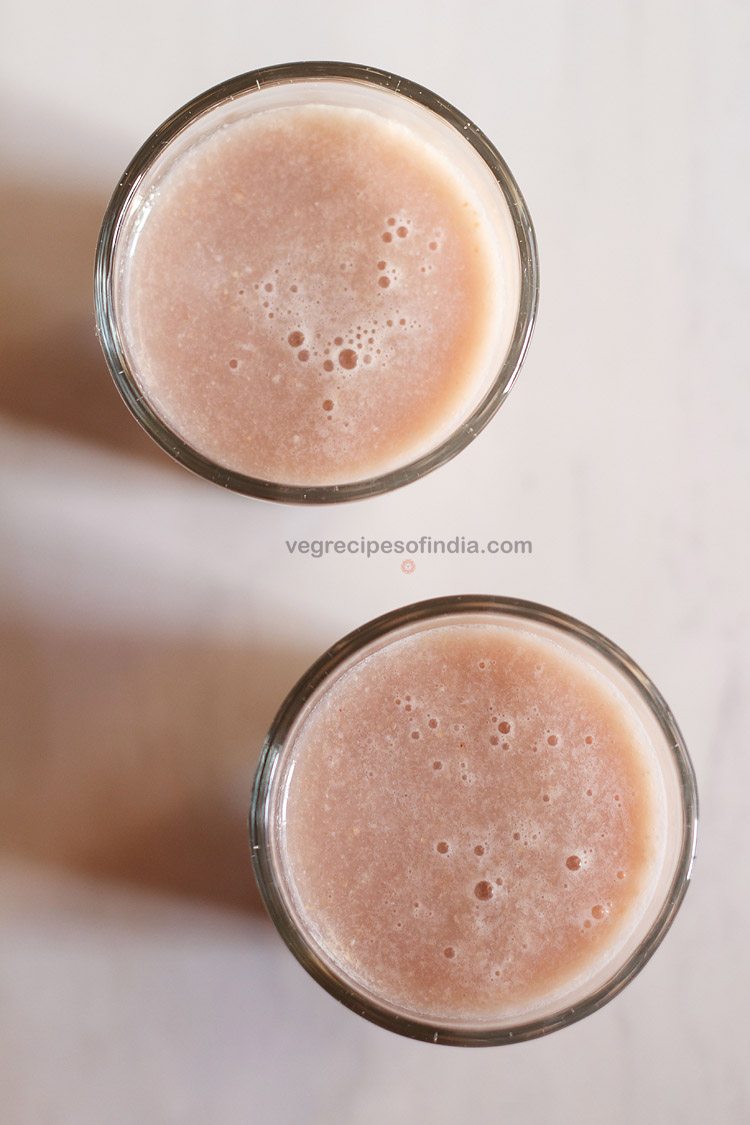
(474, 823)
(314, 295)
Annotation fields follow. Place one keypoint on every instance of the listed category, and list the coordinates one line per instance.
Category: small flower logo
(408, 566)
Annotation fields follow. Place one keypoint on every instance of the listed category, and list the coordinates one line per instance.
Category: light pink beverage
(321, 292)
(474, 822)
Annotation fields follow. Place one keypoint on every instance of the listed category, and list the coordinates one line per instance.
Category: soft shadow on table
(132, 759)
(126, 756)
(53, 372)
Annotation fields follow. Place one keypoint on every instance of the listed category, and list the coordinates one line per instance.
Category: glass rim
(261, 826)
(107, 319)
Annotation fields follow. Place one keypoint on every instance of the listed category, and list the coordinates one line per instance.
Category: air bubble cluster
(300, 314)
(492, 872)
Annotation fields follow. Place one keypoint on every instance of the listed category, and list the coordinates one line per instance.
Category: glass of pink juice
(474, 820)
(316, 282)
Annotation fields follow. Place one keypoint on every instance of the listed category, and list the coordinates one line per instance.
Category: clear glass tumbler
(309, 943)
(299, 84)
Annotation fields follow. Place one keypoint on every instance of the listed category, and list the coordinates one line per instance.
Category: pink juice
(321, 292)
(474, 823)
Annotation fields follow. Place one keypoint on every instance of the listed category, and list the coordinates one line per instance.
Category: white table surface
(151, 623)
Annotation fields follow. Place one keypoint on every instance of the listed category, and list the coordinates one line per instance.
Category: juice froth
(315, 294)
(474, 822)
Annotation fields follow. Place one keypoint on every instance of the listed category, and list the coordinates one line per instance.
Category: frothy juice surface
(474, 822)
(314, 295)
